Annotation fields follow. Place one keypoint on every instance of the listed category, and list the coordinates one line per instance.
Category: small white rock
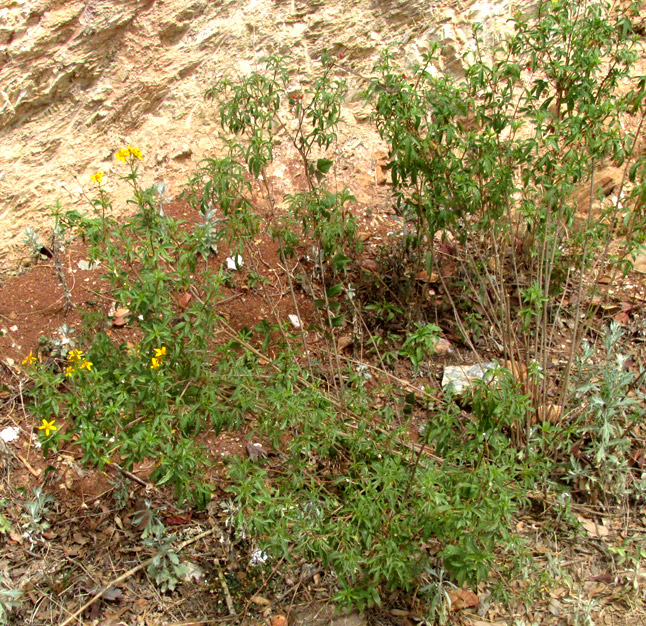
(296, 322)
(86, 265)
(234, 263)
(462, 376)
(11, 433)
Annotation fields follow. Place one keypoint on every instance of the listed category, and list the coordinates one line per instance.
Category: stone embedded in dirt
(11, 433)
(234, 263)
(343, 342)
(258, 557)
(86, 265)
(121, 316)
(443, 346)
(606, 181)
(184, 152)
(639, 264)
(192, 572)
(463, 376)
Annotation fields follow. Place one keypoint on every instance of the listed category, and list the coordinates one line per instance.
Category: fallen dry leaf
(622, 318)
(343, 342)
(178, 520)
(184, 299)
(424, 277)
(638, 458)
(369, 265)
(550, 413)
(462, 599)
(592, 528)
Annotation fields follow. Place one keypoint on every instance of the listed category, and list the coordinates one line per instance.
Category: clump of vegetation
(483, 171)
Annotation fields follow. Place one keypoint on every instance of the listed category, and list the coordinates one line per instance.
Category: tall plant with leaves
(490, 162)
(265, 106)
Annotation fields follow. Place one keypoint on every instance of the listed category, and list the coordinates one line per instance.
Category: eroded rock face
(80, 79)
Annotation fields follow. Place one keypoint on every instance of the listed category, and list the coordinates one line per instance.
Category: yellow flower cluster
(77, 362)
(97, 177)
(124, 153)
(158, 359)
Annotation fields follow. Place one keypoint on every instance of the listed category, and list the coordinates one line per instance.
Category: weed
(36, 510)
(9, 601)
(420, 343)
(165, 569)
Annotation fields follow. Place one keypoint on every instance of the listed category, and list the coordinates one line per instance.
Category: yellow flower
(86, 365)
(160, 352)
(97, 177)
(122, 155)
(48, 427)
(135, 152)
(30, 359)
(155, 363)
(69, 370)
(75, 356)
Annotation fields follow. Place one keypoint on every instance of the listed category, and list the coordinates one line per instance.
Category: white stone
(234, 263)
(11, 433)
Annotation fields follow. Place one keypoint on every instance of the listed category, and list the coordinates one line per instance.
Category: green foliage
(350, 498)
(9, 600)
(483, 171)
(252, 110)
(490, 162)
(611, 408)
(166, 568)
(36, 510)
(420, 343)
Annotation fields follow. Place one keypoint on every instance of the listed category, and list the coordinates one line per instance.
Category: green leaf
(323, 165)
(334, 290)
(340, 261)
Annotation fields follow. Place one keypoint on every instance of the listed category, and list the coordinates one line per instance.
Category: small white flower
(258, 557)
